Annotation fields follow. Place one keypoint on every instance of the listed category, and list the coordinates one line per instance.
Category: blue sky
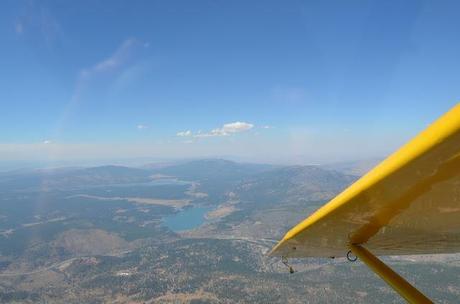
(275, 81)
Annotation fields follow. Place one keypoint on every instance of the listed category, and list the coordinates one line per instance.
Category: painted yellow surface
(408, 204)
(399, 284)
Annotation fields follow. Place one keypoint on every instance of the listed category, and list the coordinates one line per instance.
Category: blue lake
(186, 219)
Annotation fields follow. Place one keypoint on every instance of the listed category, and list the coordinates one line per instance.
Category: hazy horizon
(6, 166)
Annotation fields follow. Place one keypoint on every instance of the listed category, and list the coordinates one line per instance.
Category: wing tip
(275, 251)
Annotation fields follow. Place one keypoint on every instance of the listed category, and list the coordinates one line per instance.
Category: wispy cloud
(104, 73)
(122, 56)
(142, 127)
(19, 28)
(288, 94)
(47, 142)
(37, 20)
(226, 130)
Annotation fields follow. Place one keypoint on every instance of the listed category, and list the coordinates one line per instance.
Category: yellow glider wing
(408, 204)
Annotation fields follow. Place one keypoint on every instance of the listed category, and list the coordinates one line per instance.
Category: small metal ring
(349, 257)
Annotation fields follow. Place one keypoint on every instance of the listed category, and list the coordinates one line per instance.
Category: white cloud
(47, 141)
(184, 133)
(225, 130)
(142, 127)
(267, 127)
(235, 127)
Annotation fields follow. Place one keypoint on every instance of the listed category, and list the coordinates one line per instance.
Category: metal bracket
(284, 260)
